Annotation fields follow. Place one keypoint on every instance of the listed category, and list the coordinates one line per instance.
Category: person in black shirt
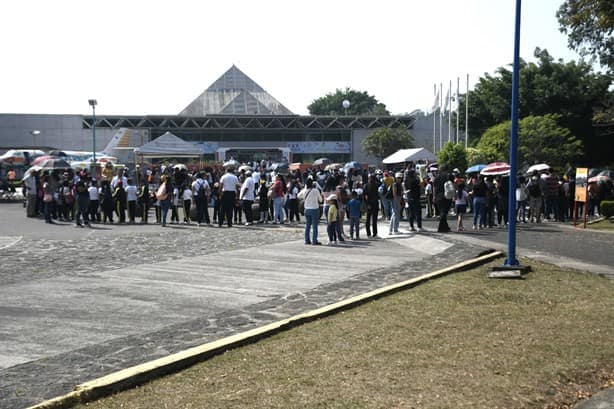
(443, 204)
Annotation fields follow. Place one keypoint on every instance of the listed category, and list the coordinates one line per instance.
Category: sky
(155, 57)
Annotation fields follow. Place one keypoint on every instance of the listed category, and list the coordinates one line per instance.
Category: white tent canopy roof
(414, 155)
(169, 145)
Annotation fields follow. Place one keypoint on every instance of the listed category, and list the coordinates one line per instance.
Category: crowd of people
(251, 194)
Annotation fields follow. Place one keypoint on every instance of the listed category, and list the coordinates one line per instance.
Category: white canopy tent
(168, 146)
(407, 155)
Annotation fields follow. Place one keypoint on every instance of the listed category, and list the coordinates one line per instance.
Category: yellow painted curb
(130, 377)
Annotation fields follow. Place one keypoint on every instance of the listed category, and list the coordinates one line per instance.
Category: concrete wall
(56, 132)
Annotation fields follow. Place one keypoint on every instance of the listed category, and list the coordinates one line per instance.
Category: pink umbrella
(496, 168)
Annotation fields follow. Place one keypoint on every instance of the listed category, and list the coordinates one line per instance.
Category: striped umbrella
(496, 168)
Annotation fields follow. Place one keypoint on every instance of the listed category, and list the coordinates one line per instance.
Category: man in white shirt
(312, 198)
(229, 184)
(247, 196)
(200, 192)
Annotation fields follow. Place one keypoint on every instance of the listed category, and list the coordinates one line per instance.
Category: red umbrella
(41, 159)
(496, 168)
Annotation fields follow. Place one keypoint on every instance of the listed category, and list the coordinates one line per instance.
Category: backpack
(202, 192)
(534, 189)
(448, 190)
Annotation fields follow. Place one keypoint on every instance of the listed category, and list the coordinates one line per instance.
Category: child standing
(354, 207)
(332, 215)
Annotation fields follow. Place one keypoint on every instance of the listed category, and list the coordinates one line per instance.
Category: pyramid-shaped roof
(234, 93)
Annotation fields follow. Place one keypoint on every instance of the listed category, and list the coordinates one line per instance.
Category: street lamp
(345, 104)
(93, 104)
(35, 133)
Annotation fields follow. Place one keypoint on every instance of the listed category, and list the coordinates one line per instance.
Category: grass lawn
(460, 341)
(603, 225)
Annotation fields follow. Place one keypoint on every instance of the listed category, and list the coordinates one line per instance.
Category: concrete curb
(139, 374)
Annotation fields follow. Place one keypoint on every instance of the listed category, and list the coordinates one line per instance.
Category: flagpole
(457, 107)
(467, 114)
(440, 116)
(450, 112)
(434, 120)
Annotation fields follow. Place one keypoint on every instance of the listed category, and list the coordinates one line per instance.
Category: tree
(361, 103)
(475, 157)
(589, 25)
(383, 142)
(453, 155)
(571, 90)
(540, 140)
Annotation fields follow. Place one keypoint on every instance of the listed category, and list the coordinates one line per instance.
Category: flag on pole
(455, 102)
(435, 106)
(447, 100)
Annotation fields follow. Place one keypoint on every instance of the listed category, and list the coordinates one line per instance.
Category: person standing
(163, 196)
(200, 193)
(143, 200)
(31, 193)
(479, 203)
(354, 206)
(247, 197)
(107, 201)
(412, 184)
(94, 208)
(263, 200)
(131, 198)
(372, 201)
(461, 201)
(395, 208)
(187, 204)
(442, 203)
(312, 198)
(119, 195)
(278, 200)
(331, 217)
(228, 186)
(83, 203)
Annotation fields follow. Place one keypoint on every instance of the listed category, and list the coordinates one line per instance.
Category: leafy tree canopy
(361, 103)
(589, 25)
(571, 90)
(540, 140)
(453, 155)
(475, 157)
(383, 142)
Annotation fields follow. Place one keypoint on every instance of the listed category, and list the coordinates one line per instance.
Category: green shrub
(607, 208)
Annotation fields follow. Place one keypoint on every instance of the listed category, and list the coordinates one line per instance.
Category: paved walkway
(90, 302)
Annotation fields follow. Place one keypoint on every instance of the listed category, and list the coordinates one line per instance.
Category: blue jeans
(395, 218)
(165, 205)
(387, 203)
(354, 226)
(278, 213)
(311, 222)
(479, 209)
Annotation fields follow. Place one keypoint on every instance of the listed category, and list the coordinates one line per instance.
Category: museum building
(232, 117)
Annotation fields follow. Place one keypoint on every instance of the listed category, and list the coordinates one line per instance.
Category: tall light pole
(93, 104)
(35, 133)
